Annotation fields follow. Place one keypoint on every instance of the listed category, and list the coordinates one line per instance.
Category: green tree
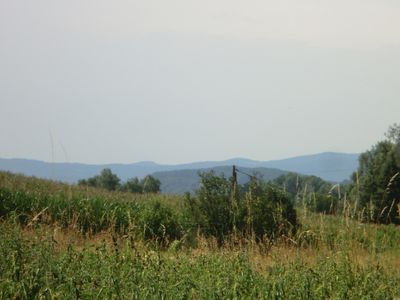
(268, 211)
(393, 133)
(132, 185)
(299, 186)
(378, 179)
(150, 184)
(106, 180)
(93, 181)
(262, 210)
(214, 198)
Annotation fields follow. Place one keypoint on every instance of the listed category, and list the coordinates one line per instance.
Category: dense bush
(211, 210)
(219, 210)
(150, 184)
(268, 211)
(297, 186)
(325, 203)
(158, 222)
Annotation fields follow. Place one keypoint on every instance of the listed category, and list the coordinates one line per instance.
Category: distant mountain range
(330, 166)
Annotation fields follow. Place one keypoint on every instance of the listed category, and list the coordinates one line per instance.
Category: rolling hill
(330, 166)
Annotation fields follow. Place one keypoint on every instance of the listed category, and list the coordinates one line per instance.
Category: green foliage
(106, 180)
(378, 179)
(268, 212)
(313, 192)
(132, 185)
(150, 184)
(110, 182)
(393, 133)
(219, 209)
(33, 268)
(329, 257)
(158, 222)
(152, 219)
(297, 185)
(212, 210)
(325, 204)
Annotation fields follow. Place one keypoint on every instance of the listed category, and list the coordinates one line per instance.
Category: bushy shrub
(219, 210)
(158, 222)
(268, 211)
(327, 204)
(213, 206)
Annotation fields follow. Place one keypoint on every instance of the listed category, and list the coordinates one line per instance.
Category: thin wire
(244, 173)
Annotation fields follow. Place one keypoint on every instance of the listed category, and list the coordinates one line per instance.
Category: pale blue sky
(179, 81)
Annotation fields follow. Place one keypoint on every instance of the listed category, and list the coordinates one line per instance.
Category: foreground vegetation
(36, 264)
(59, 241)
(262, 212)
(67, 242)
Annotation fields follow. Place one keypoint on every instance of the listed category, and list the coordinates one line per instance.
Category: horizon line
(183, 163)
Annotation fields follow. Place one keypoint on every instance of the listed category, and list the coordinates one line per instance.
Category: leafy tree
(301, 185)
(393, 134)
(150, 184)
(324, 203)
(378, 179)
(218, 210)
(311, 191)
(268, 211)
(106, 180)
(132, 185)
(94, 181)
(214, 197)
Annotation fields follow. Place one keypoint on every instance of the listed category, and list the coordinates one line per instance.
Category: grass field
(66, 242)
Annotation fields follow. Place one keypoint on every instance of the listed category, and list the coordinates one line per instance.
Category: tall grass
(88, 210)
(66, 242)
(33, 268)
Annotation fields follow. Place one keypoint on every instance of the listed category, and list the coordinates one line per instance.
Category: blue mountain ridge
(331, 166)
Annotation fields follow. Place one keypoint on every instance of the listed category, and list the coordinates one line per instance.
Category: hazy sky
(179, 81)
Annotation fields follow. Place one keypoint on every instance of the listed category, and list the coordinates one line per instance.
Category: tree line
(111, 182)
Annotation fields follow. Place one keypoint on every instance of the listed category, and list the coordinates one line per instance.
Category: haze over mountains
(181, 181)
(330, 166)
